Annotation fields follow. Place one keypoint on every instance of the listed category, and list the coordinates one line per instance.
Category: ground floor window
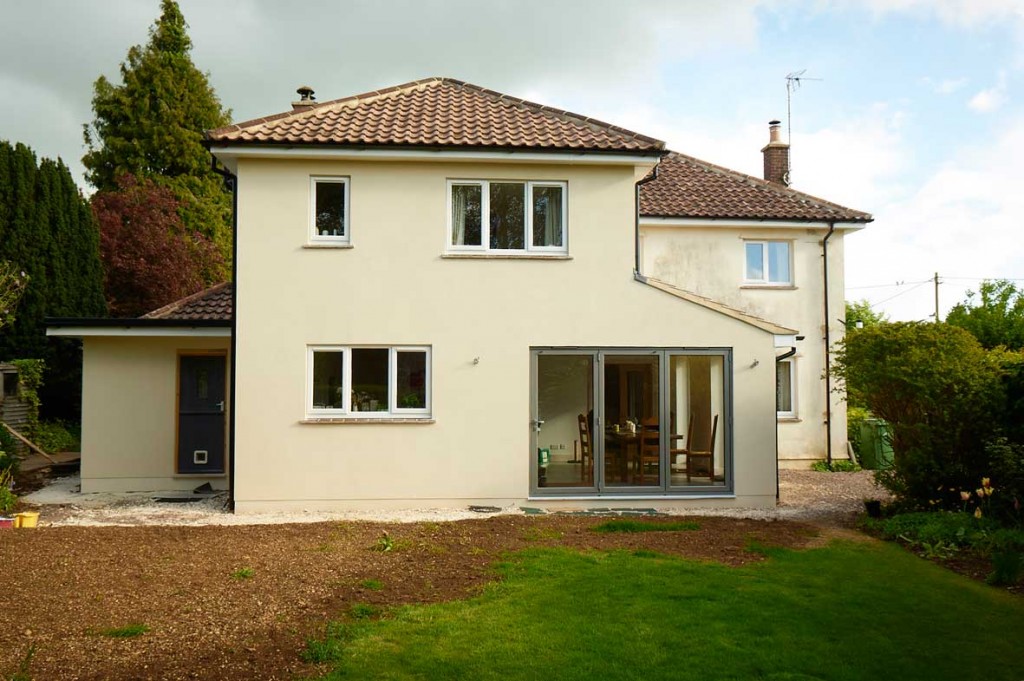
(626, 421)
(367, 381)
(785, 389)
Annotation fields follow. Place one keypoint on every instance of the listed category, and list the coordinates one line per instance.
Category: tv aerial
(793, 82)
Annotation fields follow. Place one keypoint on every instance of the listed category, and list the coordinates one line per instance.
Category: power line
(912, 288)
(898, 283)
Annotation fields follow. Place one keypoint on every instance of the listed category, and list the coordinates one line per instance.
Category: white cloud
(989, 99)
(946, 86)
(962, 222)
(960, 13)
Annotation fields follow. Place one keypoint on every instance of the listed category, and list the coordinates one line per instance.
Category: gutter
(636, 232)
(828, 356)
(231, 182)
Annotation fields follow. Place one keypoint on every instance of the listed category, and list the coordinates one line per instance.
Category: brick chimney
(776, 156)
(306, 101)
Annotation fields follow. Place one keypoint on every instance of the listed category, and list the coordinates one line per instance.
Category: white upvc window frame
(340, 239)
(766, 267)
(394, 410)
(792, 413)
(485, 222)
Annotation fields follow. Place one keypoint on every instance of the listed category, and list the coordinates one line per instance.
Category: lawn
(851, 610)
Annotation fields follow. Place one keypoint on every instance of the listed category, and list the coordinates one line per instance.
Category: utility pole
(937, 320)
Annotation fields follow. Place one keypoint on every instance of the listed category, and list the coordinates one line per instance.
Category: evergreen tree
(47, 231)
(151, 126)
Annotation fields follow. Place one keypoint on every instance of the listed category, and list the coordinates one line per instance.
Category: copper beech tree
(149, 257)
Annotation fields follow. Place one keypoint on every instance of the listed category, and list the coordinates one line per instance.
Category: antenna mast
(793, 81)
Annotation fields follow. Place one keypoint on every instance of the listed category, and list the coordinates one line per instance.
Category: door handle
(220, 405)
(537, 423)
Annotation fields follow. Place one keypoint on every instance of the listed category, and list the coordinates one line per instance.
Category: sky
(908, 109)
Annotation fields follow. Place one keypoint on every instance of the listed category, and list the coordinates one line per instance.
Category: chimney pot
(307, 100)
(776, 155)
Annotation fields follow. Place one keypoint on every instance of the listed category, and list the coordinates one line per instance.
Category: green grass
(372, 584)
(646, 526)
(127, 631)
(243, 573)
(852, 610)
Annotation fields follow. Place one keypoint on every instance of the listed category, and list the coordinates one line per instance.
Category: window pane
(412, 380)
(370, 379)
(696, 426)
(632, 407)
(778, 262)
(327, 380)
(547, 216)
(508, 215)
(330, 209)
(466, 215)
(784, 387)
(755, 262)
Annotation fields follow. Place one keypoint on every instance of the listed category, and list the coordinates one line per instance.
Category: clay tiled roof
(687, 187)
(213, 303)
(437, 112)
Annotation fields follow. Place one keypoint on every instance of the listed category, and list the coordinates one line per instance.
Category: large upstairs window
(506, 217)
(767, 263)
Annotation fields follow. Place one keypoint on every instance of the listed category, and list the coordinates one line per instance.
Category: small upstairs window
(768, 262)
(329, 221)
(506, 217)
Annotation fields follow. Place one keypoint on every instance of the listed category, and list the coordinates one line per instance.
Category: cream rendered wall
(394, 286)
(129, 413)
(710, 261)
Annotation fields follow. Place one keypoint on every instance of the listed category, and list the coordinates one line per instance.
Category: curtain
(458, 216)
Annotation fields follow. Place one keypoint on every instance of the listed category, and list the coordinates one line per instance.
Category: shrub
(837, 466)
(7, 498)
(943, 396)
(855, 417)
(56, 436)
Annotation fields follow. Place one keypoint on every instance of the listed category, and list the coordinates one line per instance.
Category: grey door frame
(664, 486)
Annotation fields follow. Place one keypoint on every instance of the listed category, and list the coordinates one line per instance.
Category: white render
(707, 258)
(480, 316)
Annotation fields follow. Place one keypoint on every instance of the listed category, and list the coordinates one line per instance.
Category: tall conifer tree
(151, 126)
(47, 230)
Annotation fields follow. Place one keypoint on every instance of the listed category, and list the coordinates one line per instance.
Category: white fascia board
(229, 155)
(785, 341)
(139, 331)
(728, 223)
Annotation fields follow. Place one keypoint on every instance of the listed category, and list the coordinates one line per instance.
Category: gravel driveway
(823, 498)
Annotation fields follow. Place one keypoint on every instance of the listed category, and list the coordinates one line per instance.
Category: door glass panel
(695, 426)
(565, 407)
(632, 420)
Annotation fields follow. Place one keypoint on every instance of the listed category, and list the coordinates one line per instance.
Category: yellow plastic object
(26, 519)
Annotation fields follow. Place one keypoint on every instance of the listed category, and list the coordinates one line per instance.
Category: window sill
(357, 421)
(326, 245)
(505, 256)
(788, 419)
(777, 287)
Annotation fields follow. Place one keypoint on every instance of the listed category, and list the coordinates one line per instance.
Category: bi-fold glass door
(626, 421)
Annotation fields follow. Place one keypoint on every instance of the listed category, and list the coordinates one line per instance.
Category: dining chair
(649, 449)
(707, 456)
(586, 450)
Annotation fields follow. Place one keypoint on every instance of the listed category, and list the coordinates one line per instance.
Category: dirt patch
(239, 602)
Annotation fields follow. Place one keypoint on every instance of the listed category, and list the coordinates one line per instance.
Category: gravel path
(825, 498)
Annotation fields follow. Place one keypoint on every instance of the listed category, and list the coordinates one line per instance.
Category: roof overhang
(725, 223)
(166, 328)
(228, 154)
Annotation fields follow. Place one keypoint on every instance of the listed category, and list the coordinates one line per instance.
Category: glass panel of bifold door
(696, 405)
(565, 421)
(632, 420)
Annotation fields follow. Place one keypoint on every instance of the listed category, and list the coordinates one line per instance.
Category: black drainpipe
(636, 233)
(231, 182)
(786, 355)
(828, 356)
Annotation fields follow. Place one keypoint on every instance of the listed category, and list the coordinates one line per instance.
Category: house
(758, 246)
(439, 299)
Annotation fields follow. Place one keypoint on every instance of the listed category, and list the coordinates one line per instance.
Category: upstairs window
(329, 215)
(506, 216)
(768, 262)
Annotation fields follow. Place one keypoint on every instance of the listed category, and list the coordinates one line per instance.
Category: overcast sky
(917, 116)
